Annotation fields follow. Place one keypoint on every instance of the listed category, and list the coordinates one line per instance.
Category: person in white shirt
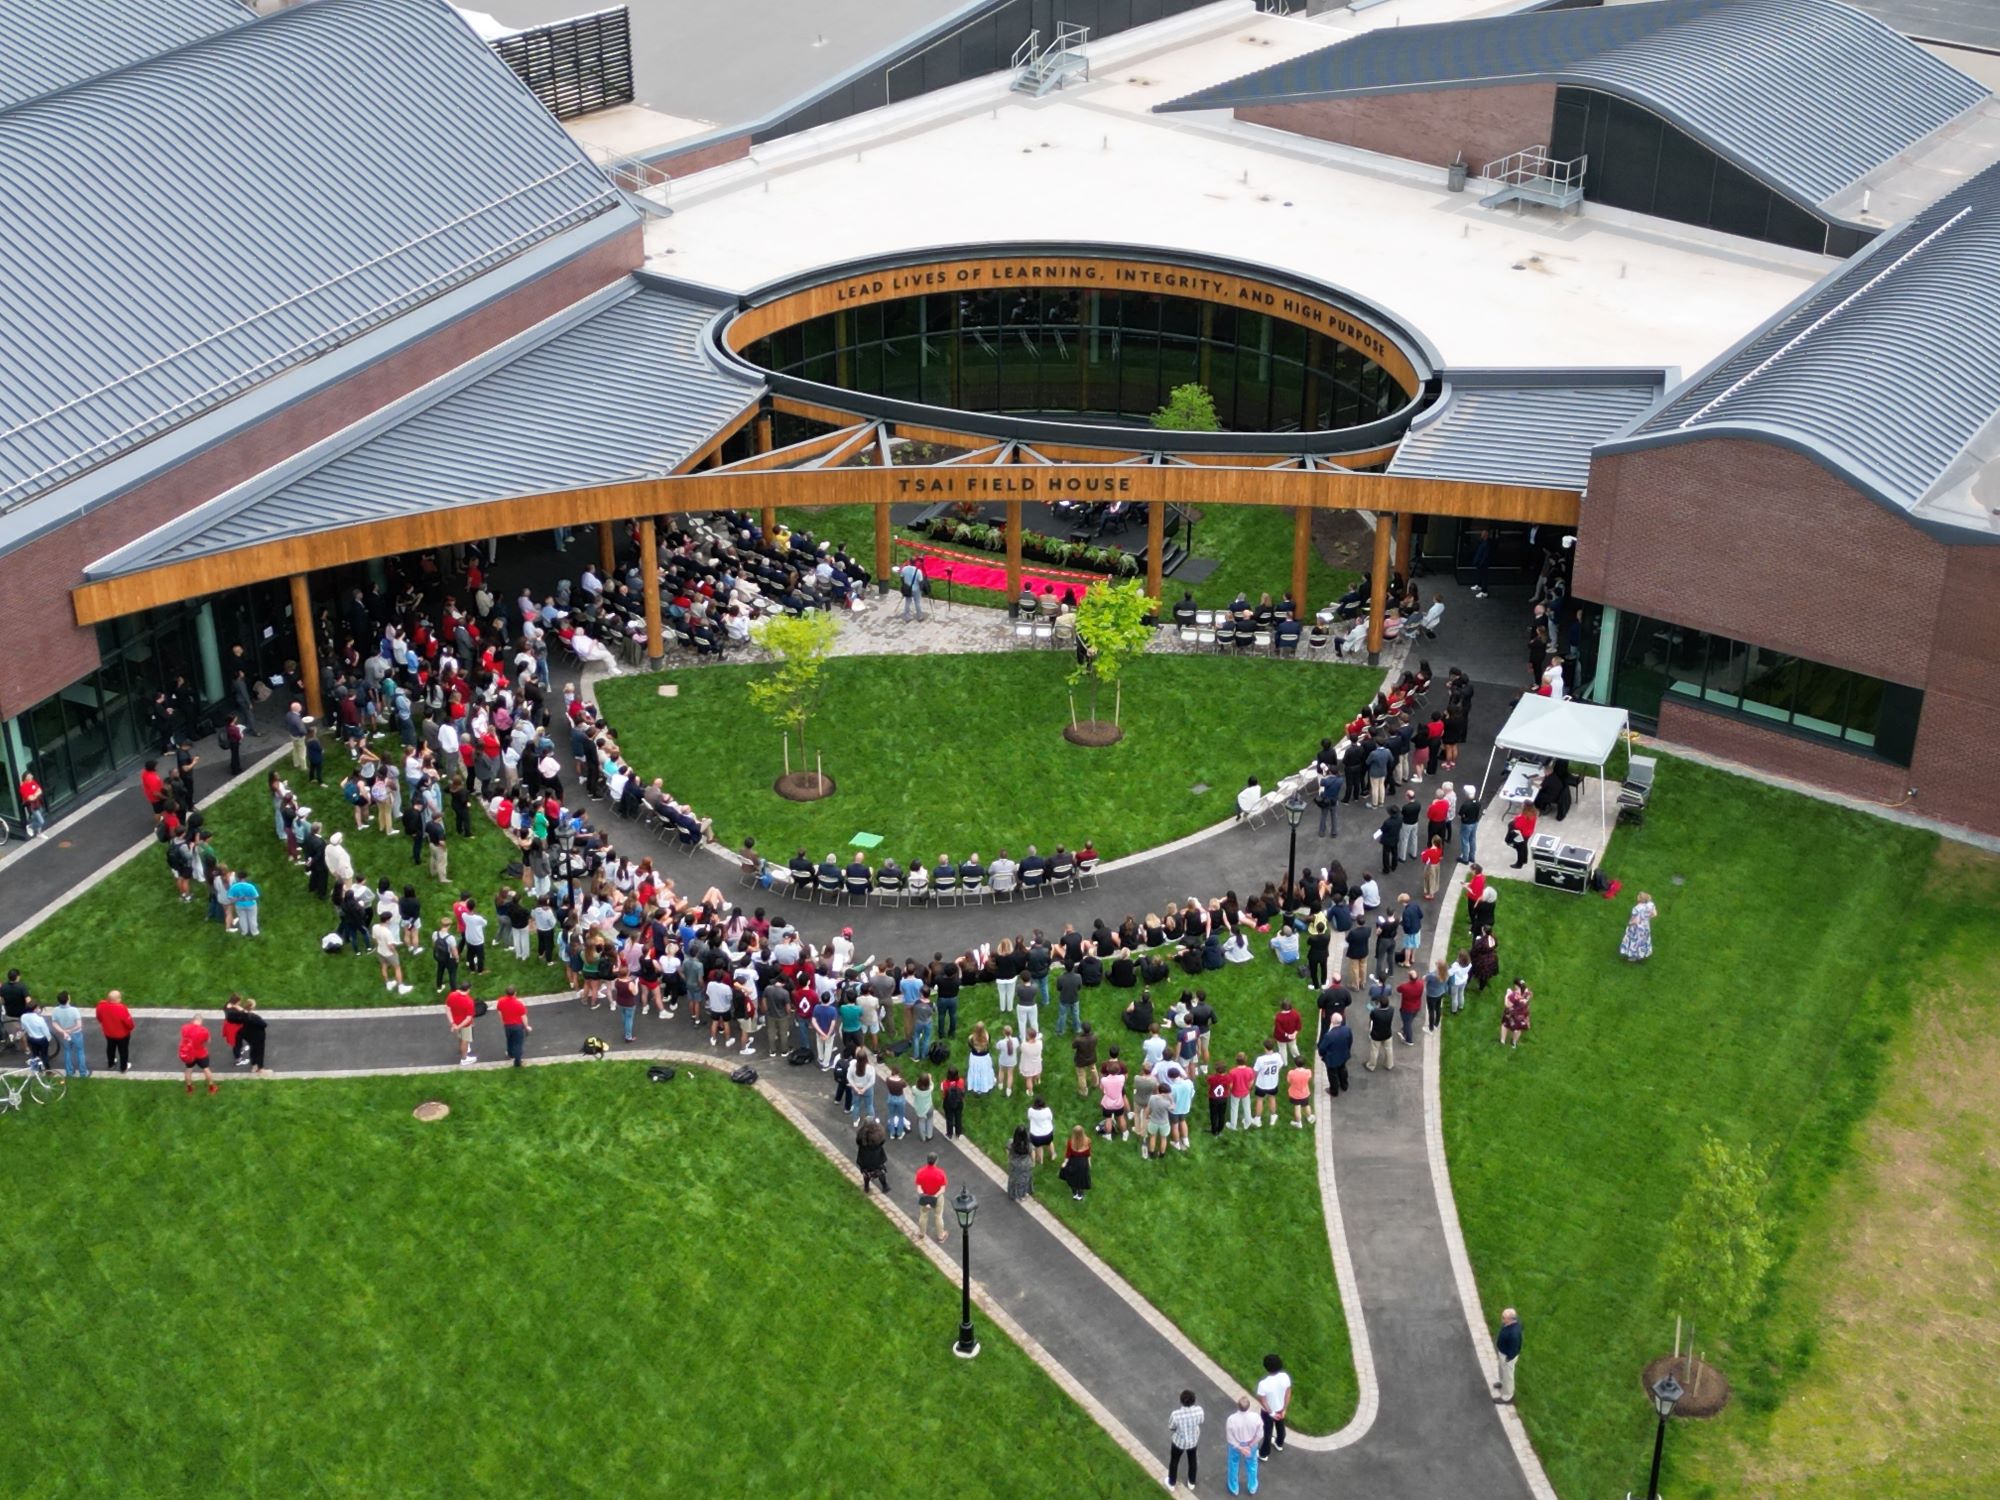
(1244, 1431)
(1274, 1395)
(447, 739)
(1266, 1071)
(1248, 798)
(590, 583)
(1236, 949)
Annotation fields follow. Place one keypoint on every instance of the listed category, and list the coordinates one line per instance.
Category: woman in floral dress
(1637, 945)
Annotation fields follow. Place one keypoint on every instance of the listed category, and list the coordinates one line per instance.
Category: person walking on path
(1274, 1396)
(461, 1010)
(1021, 1165)
(1075, 1168)
(194, 1054)
(1336, 1047)
(1244, 1431)
(34, 806)
(514, 1021)
(1637, 944)
(1183, 1440)
(1507, 1344)
(1514, 1013)
(871, 1155)
(1381, 1033)
(930, 1195)
(114, 1019)
(67, 1021)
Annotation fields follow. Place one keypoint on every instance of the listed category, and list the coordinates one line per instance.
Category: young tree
(1719, 1245)
(1111, 629)
(789, 693)
(1189, 408)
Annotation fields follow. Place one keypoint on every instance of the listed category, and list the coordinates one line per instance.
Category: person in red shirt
(1218, 1103)
(1240, 1078)
(194, 1053)
(930, 1194)
(154, 788)
(1285, 1028)
(1519, 832)
(1438, 815)
(514, 1019)
(114, 1019)
(33, 811)
(1432, 860)
(1410, 994)
(461, 1010)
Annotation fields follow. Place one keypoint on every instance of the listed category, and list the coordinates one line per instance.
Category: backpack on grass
(744, 1074)
(659, 1074)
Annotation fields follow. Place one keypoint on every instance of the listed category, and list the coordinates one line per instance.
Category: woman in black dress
(1075, 1168)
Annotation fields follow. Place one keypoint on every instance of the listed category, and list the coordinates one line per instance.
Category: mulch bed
(1093, 732)
(1707, 1387)
(803, 786)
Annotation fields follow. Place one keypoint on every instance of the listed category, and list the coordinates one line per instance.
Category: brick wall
(36, 580)
(1759, 543)
(675, 162)
(1432, 126)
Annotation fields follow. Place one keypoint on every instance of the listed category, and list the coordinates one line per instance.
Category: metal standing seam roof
(1884, 371)
(1805, 95)
(208, 217)
(1524, 426)
(619, 387)
(51, 44)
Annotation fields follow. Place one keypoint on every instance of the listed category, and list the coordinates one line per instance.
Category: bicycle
(38, 1084)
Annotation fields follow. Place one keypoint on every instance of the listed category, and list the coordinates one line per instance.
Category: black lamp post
(1666, 1393)
(1295, 811)
(965, 1206)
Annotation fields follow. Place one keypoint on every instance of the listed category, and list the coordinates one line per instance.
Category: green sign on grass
(865, 840)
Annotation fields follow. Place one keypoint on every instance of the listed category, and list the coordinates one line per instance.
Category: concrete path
(1425, 1425)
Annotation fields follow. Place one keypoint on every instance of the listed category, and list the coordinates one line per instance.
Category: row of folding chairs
(942, 890)
(1264, 638)
(1040, 632)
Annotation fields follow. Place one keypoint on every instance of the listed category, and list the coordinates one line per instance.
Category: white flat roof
(979, 164)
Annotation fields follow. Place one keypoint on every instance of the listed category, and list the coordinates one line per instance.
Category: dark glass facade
(1640, 162)
(79, 739)
(1658, 660)
(1083, 353)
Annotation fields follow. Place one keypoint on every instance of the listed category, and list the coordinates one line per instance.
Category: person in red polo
(1410, 997)
(114, 1019)
(194, 1053)
(461, 1010)
(930, 1195)
(154, 788)
(514, 1019)
(33, 810)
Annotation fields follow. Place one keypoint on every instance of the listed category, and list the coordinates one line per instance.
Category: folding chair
(888, 888)
(828, 889)
(972, 888)
(1033, 884)
(857, 890)
(944, 887)
(1062, 877)
(1086, 873)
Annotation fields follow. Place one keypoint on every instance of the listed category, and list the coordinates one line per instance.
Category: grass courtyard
(1250, 544)
(957, 753)
(579, 1282)
(1227, 1239)
(1790, 957)
(132, 932)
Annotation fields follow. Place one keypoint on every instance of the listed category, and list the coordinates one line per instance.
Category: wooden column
(1378, 583)
(649, 575)
(1013, 550)
(1156, 544)
(1403, 520)
(308, 648)
(885, 556)
(767, 518)
(1302, 541)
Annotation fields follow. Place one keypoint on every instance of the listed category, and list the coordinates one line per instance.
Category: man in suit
(1332, 786)
(858, 879)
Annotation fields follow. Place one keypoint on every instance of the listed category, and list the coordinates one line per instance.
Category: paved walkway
(1425, 1425)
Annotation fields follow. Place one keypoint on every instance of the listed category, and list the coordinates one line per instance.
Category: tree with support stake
(789, 693)
(1718, 1254)
(1111, 629)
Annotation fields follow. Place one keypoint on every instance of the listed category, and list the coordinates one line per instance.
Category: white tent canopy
(1563, 729)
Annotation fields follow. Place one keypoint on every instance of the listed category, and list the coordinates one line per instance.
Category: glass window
(1769, 682)
(1180, 364)
(1139, 374)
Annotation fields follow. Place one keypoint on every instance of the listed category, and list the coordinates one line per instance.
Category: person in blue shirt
(1412, 921)
(67, 1021)
(243, 897)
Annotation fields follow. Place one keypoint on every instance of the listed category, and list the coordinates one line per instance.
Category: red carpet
(969, 572)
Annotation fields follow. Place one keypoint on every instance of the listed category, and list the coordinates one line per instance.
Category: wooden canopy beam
(753, 489)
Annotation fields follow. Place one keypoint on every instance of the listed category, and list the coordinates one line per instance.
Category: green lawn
(1783, 967)
(959, 753)
(1227, 1239)
(132, 932)
(1252, 546)
(579, 1282)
